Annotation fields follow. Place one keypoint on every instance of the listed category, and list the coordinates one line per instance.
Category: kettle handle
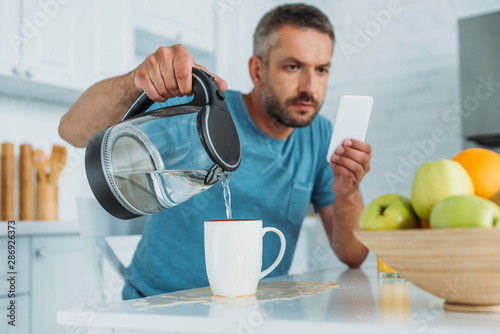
(205, 89)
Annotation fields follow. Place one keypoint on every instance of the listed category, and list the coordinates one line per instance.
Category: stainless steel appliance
(480, 78)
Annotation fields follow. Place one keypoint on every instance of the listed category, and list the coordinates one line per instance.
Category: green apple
(389, 212)
(465, 211)
(435, 181)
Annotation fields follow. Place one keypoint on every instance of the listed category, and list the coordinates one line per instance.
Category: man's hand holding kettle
(167, 73)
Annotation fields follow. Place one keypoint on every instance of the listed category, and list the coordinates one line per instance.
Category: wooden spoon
(58, 158)
(40, 162)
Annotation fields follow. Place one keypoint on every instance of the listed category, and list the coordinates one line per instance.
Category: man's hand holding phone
(348, 155)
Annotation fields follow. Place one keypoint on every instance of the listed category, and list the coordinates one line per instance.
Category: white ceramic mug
(233, 255)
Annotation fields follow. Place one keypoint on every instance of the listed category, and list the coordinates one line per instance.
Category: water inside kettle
(154, 191)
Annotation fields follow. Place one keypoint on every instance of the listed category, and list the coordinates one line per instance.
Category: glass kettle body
(151, 161)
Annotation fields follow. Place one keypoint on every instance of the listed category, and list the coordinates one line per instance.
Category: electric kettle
(153, 160)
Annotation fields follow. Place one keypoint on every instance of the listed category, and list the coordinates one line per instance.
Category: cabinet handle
(29, 73)
(15, 70)
(41, 252)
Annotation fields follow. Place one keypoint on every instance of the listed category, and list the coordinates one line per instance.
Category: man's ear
(255, 67)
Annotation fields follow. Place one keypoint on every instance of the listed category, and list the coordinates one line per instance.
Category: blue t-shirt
(276, 182)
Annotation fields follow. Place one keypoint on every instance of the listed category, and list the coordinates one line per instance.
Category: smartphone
(352, 119)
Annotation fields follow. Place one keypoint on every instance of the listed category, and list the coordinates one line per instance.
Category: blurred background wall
(403, 53)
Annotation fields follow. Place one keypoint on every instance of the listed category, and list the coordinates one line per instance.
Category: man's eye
(323, 70)
(291, 67)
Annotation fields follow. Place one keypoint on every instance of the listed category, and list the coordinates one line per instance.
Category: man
(284, 145)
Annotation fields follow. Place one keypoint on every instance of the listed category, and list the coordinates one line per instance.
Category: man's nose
(308, 83)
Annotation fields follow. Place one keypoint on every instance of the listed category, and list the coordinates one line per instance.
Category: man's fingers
(149, 79)
(165, 56)
(143, 81)
(168, 73)
(183, 67)
(152, 93)
(156, 77)
(220, 82)
(342, 170)
(358, 145)
(353, 154)
(169, 80)
(356, 168)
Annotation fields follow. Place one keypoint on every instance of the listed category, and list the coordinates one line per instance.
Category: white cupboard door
(79, 42)
(55, 54)
(58, 281)
(21, 315)
(112, 38)
(10, 38)
(185, 22)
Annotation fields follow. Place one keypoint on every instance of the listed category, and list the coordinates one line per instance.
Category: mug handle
(281, 253)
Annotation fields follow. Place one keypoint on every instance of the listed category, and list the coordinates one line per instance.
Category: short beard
(279, 112)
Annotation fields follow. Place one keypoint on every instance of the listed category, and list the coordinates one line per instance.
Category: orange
(483, 167)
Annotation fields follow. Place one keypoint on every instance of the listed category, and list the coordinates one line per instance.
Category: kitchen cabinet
(64, 44)
(50, 275)
(22, 265)
(22, 298)
(9, 35)
(22, 315)
(111, 37)
(52, 53)
(58, 280)
(188, 23)
(80, 43)
(63, 47)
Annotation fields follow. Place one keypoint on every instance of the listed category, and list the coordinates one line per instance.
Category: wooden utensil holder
(46, 204)
(25, 183)
(7, 182)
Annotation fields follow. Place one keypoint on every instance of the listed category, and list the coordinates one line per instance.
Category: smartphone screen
(351, 121)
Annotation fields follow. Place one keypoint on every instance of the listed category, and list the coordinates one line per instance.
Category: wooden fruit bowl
(461, 266)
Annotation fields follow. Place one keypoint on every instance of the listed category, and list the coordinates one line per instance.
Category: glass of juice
(384, 271)
(393, 300)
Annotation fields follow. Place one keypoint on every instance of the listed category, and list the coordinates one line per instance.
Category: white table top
(361, 304)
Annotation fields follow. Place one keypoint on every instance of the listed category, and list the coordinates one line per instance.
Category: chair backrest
(95, 225)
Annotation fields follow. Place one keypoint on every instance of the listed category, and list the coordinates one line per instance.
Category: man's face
(295, 79)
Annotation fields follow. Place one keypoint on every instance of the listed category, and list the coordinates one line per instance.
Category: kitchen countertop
(361, 304)
(28, 228)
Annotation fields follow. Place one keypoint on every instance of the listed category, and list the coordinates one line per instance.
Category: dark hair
(298, 15)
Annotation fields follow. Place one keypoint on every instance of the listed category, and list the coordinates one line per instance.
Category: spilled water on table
(267, 291)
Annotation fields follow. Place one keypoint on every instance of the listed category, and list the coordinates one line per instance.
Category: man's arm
(339, 221)
(99, 107)
(350, 163)
(164, 74)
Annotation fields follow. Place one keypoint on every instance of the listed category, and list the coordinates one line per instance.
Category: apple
(465, 211)
(389, 212)
(496, 198)
(435, 181)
